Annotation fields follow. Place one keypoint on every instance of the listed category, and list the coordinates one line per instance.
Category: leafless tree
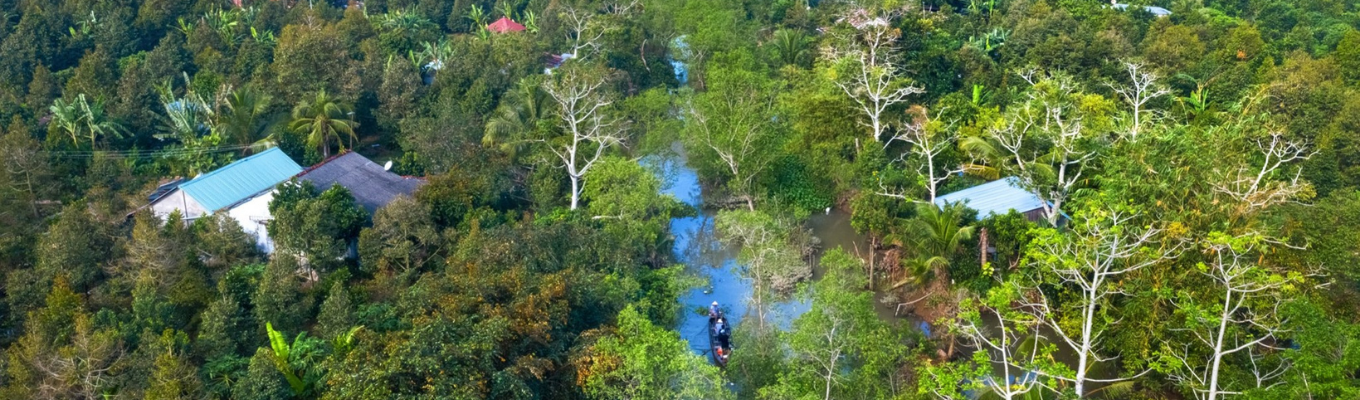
(1142, 88)
(1106, 246)
(872, 78)
(739, 134)
(583, 110)
(1253, 187)
(926, 146)
(583, 31)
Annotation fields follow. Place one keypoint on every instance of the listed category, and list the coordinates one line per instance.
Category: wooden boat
(721, 351)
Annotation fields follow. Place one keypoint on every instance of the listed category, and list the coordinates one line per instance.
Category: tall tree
(1105, 245)
(867, 65)
(929, 141)
(322, 119)
(1047, 140)
(1009, 348)
(1141, 89)
(1245, 317)
(735, 122)
(586, 122)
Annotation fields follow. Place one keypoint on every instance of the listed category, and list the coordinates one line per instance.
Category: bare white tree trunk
(1047, 116)
(582, 111)
(736, 143)
(1245, 288)
(1252, 187)
(874, 81)
(1099, 251)
(1002, 349)
(583, 31)
(926, 147)
(1142, 88)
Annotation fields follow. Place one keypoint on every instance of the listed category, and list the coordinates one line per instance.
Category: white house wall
(253, 216)
(178, 200)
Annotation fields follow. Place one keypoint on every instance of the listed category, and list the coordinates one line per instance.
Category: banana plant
(267, 37)
(478, 16)
(282, 351)
(1197, 103)
(184, 27)
(530, 21)
(344, 342)
(86, 27)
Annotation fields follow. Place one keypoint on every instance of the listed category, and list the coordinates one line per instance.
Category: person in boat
(718, 326)
(725, 336)
(713, 311)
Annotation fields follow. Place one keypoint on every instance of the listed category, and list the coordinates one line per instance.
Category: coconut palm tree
(518, 114)
(246, 119)
(940, 232)
(324, 118)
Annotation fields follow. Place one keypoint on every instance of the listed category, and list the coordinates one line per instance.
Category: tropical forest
(679, 199)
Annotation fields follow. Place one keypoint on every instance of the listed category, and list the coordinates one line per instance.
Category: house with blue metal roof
(235, 188)
(997, 197)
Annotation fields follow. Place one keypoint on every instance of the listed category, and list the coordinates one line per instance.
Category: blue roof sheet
(995, 197)
(239, 180)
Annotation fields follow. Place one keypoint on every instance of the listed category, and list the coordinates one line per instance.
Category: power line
(144, 153)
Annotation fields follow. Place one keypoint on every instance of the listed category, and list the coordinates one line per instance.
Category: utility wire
(143, 153)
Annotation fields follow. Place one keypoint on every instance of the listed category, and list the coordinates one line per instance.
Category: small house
(244, 189)
(236, 188)
(998, 197)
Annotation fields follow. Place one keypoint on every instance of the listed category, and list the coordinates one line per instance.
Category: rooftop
(503, 25)
(241, 179)
(371, 184)
(995, 197)
(1154, 10)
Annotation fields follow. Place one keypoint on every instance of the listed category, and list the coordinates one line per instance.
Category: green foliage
(403, 238)
(840, 348)
(939, 233)
(645, 361)
(323, 119)
(336, 316)
(316, 225)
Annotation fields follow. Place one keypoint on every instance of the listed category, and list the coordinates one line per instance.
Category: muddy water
(833, 230)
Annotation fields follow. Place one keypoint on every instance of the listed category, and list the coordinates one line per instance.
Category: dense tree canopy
(1196, 167)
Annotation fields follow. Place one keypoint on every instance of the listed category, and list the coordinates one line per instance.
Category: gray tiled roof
(372, 186)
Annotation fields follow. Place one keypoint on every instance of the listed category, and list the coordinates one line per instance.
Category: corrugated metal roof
(241, 179)
(371, 185)
(995, 197)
